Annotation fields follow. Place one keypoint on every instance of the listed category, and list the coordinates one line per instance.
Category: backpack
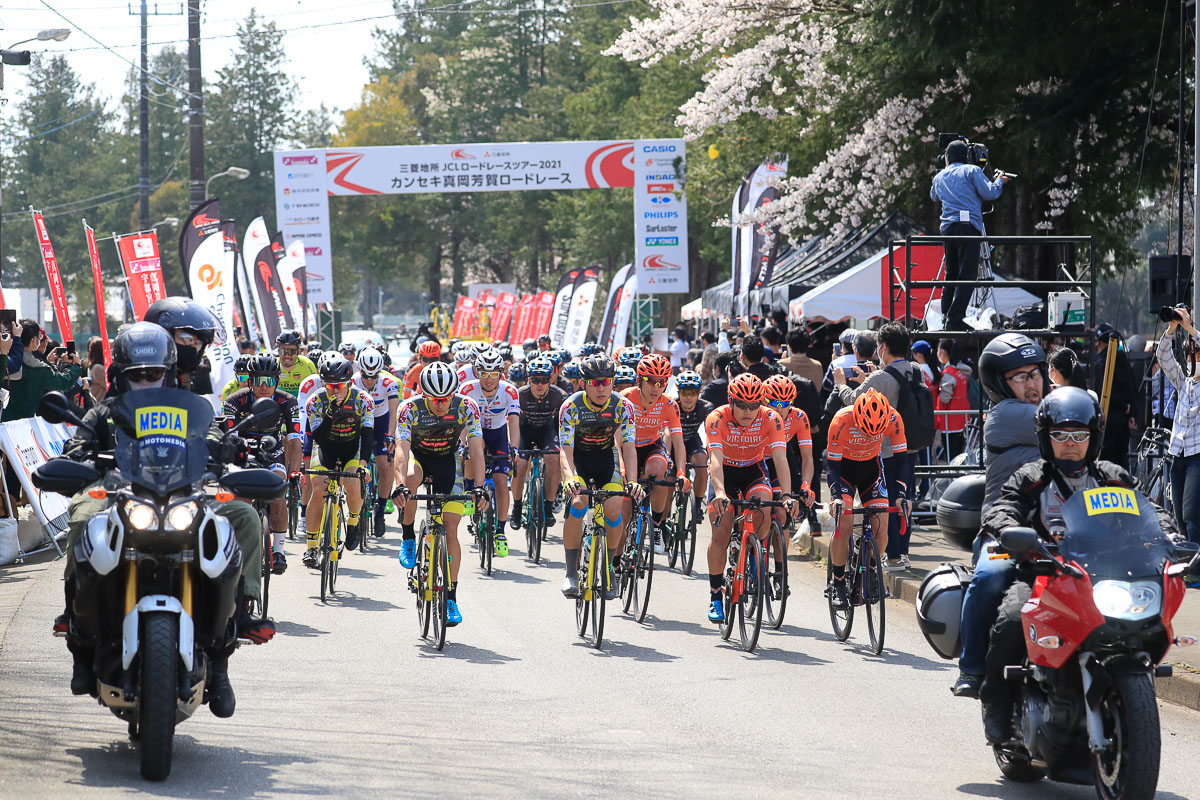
(914, 404)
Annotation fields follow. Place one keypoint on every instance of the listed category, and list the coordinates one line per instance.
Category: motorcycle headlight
(1127, 600)
(181, 515)
(141, 516)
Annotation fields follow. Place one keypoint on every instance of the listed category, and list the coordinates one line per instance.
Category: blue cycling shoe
(716, 611)
(453, 617)
(408, 553)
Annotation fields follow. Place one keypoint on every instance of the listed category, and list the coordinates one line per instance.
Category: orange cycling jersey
(847, 441)
(663, 413)
(795, 423)
(743, 445)
(412, 379)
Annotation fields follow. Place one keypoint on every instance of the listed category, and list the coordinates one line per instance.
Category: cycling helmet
(872, 412)
(746, 388)
(314, 351)
(779, 388)
(688, 380)
(336, 369)
(175, 313)
(462, 353)
(540, 367)
(625, 376)
(516, 373)
(241, 364)
(370, 362)
(529, 344)
(479, 348)
(1006, 352)
(505, 352)
(555, 356)
(589, 349)
(488, 361)
(429, 350)
(265, 364)
(571, 372)
(630, 356)
(654, 366)
(143, 345)
(544, 339)
(597, 367)
(288, 339)
(1069, 405)
(438, 380)
(565, 355)
(347, 349)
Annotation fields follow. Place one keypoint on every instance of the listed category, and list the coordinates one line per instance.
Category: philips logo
(660, 215)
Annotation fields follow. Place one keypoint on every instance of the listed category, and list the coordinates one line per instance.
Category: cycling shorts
(381, 431)
(445, 472)
(654, 450)
(339, 465)
(538, 438)
(599, 469)
(495, 444)
(865, 477)
(693, 445)
(740, 481)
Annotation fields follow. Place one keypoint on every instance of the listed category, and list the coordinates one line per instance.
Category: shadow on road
(351, 600)
(465, 652)
(1045, 790)
(356, 573)
(694, 628)
(289, 628)
(612, 648)
(766, 653)
(512, 577)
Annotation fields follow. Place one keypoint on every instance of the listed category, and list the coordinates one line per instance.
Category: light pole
(235, 172)
(172, 221)
(21, 58)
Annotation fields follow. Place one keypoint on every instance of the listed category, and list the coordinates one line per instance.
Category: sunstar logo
(460, 153)
(161, 420)
(200, 220)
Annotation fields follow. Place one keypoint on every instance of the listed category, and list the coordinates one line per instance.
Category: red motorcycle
(1097, 627)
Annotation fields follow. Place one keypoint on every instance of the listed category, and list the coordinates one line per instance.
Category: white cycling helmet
(438, 380)
(370, 362)
(462, 353)
(489, 360)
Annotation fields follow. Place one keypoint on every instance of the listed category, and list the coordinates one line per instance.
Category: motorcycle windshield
(161, 438)
(1114, 534)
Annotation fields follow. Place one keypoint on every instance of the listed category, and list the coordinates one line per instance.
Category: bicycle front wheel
(642, 576)
(730, 589)
(750, 600)
(775, 592)
(327, 543)
(600, 577)
(584, 576)
(441, 589)
(424, 593)
(678, 530)
(490, 522)
(266, 562)
(293, 505)
(874, 590)
(535, 515)
(631, 558)
(842, 618)
(687, 544)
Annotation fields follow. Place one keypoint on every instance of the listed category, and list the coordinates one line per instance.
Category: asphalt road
(348, 701)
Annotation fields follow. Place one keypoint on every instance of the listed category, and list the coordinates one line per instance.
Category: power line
(91, 113)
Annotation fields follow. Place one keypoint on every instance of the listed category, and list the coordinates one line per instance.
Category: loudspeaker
(1168, 277)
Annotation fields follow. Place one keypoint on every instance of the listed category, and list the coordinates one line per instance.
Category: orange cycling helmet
(654, 366)
(872, 412)
(746, 388)
(780, 389)
(429, 350)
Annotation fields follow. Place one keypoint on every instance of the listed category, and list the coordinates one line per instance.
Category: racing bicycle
(864, 575)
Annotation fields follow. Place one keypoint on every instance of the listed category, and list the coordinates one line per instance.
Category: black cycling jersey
(539, 414)
(237, 407)
(692, 421)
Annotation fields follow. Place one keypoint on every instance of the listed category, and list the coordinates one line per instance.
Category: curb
(1182, 688)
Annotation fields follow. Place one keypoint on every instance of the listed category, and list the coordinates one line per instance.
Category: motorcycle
(157, 571)
(1096, 629)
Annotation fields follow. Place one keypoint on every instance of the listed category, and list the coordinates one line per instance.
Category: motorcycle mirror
(1184, 552)
(56, 408)
(265, 413)
(1019, 541)
(64, 476)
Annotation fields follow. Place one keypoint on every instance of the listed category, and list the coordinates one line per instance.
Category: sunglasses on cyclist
(289, 351)
(659, 382)
(747, 406)
(778, 403)
(539, 381)
(146, 374)
(599, 382)
(337, 386)
(1079, 437)
(264, 380)
(489, 374)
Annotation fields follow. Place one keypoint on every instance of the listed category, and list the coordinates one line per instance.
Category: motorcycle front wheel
(1128, 768)
(159, 654)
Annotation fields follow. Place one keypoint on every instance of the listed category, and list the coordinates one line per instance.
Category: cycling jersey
(230, 388)
(308, 387)
(384, 391)
(585, 427)
(338, 427)
(466, 372)
(437, 434)
(690, 422)
(412, 379)
(290, 379)
(795, 425)
(743, 445)
(238, 406)
(650, 422)
(494, 411)
(847, 441)
(537, 415)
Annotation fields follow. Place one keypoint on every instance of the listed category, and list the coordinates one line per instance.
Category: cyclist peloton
(340, 423)
(742, 436)
(692, 413)
(517, 374)
(308, 387)
(349, 352)
(499, 412)
(653, 413)
(537, 430)
(241, 377)
(385, 395)
(596, 450)
(429, 435)
(854, 463)
(293, 367)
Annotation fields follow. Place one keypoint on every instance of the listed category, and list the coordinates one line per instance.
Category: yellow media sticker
(1110, 500)
(161, 421)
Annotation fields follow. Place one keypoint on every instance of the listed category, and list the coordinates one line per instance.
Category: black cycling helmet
(589, 349)
(336, 370)
(174, 313)
(597, 366)
(1006, 352)
(241, 364)
(1070, 406)
(265, 364)
(143, 345)
(288, 339)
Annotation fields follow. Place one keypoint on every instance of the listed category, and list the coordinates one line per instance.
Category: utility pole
(196, 107)
(1195, 298)
(144, 118)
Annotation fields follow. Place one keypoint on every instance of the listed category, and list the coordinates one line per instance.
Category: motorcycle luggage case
(939, 607)
(959, 510)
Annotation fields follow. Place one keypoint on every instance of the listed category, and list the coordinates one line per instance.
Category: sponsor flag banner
(210, 278)
(476, 289)
(204, 221)
(290, 269)
(502, 315)
(610, 307)
(143, 270)
(521, 317)
(279, 251)
(739, 235)
(53, 278)
(464, 317)
(763, 245)
(580, 314)
(562, 305)
(263, 285)
(660, 216)
(624, 310)
(543, 311)
(246, 293)
(98, 279)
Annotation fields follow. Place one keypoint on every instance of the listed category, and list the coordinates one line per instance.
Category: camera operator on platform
(962, 188)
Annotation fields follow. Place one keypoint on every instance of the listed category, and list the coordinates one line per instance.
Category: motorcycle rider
(193, 327)
(144, 357)
(1069, 425)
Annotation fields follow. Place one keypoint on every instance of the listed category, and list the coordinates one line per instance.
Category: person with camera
(36, 377)
(1185, 434)
(962, 188)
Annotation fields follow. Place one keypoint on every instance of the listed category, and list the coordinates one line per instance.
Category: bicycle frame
(749, 505)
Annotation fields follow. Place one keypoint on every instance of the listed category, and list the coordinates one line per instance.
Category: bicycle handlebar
(331, 474)
(536, 452)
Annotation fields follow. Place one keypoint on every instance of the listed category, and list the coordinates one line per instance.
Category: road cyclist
(381, 385)
(499, 412)
(293, 367)
(537, 428)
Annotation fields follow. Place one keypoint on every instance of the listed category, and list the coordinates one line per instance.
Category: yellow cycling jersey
(290, 379)
(230, 388)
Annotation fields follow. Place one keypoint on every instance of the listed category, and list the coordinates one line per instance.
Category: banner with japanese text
(464, 317)
(98, 279)
(143, 270)
(543, 311)
(521, 319)
(53, 277)
(502, 315)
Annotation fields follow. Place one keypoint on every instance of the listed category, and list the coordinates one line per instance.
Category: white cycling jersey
(308, 387)
(385, 389)
(466, 373)
(494, 411)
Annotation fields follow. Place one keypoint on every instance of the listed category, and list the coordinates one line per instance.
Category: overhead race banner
(143, 270)
(580, 313)
(53, 278)
(607, 324)
(98, 280)
(204, 221)
(305, 179)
